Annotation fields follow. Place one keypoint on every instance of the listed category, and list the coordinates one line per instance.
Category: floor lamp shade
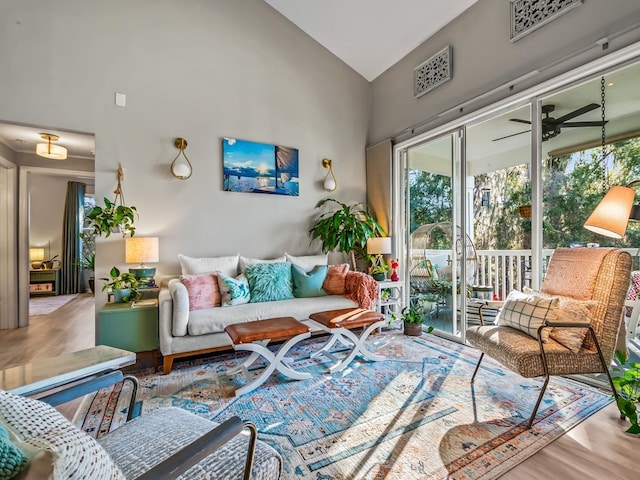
(611, 216)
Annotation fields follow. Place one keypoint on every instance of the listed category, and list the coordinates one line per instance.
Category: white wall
(202, 70)
(484, 58)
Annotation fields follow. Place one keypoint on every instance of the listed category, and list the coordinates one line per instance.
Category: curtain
(71, 275)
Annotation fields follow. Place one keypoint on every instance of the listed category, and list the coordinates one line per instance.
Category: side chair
(578, 277)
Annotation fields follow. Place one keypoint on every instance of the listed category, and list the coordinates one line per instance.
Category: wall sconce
(48, 150)
(611, 216)
(181, 169)
(330, 182)
(485, 199)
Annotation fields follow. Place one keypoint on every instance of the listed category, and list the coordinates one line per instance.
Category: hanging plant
(113, 217)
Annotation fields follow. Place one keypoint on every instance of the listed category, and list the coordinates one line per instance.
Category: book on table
(147, 302)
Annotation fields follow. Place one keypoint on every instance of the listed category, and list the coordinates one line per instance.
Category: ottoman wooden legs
(259, 334)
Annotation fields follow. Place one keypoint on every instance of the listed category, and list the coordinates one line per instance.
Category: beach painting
(259, 167)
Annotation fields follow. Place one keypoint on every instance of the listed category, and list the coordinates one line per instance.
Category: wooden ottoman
(339, 324)
(255, 336)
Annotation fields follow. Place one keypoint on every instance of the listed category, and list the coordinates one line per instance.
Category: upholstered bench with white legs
(255, 336)
(339, 323)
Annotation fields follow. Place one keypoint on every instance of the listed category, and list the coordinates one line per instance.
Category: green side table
(133, 329)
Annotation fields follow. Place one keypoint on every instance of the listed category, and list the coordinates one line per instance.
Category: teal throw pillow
(233, 291)
(269, 282)
(12, 460)
(308, 284)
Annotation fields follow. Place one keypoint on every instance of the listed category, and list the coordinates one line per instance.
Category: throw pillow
(572, 311)
(191, 265)
(335, 281)
(308, 262)
(308, 284)
(234, 291)
(527, 313)
(203, 290)
(12, 459)
(246, 262)
(269, 282)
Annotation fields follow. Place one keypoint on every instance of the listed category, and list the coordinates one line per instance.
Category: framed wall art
(259, 167)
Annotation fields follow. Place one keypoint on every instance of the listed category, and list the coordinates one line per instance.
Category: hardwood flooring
(598, 448)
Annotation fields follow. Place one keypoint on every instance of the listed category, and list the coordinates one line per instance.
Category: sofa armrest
(180, 310)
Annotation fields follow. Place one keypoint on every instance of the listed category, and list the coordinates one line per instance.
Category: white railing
(508, 270)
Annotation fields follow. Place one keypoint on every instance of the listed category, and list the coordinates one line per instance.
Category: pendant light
(49, 150)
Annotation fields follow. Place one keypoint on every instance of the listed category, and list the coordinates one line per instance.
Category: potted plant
(346, 229)
(413, 317)
(111, 218)
(626, 379)
(124, 286)
(379, 272)
(88, 264)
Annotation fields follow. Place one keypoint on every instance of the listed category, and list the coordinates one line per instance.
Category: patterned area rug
(413, 416)
(48, 305)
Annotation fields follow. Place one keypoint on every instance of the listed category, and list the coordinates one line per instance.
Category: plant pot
(412, 329)
(92, 285)
(525, 211)
(121, 296)
(379, 277)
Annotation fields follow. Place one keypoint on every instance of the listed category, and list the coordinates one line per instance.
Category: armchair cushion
(75, 454)
(573, 272)
(527, 312)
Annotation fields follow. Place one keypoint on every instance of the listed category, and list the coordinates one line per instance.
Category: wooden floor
(598, 448)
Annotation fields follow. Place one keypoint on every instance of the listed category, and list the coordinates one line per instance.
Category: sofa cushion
(308, 284)
(192, 265)
(308, 262)
(213, 320)
(527, 312)
(269, 282)
(334, 283)
(75, 454)
(203, 290)
(246, 262)
(233, 290)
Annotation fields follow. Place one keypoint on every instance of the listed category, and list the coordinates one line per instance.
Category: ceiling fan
(551, 127)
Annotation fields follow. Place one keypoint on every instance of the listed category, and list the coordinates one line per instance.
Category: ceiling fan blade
(584, 124)
(512, 135)
(520, 121)
(575, 113)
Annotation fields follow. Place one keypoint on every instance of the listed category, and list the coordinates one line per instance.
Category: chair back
(600, 274)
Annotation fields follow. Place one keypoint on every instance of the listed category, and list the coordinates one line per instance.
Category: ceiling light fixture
(49, 150)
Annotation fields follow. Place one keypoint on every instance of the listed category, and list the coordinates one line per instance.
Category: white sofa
(186, 333)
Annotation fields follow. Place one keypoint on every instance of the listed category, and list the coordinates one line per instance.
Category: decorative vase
(412, 329)
(121, 296)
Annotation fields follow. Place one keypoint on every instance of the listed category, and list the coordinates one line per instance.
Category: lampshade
(141, 250)
(379, 245)
(611, 216)
(36, 254)
(49, 150)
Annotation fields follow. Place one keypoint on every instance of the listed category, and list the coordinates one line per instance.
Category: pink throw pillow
(203, 290)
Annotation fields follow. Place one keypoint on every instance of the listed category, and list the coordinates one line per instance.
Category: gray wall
(202, 70)
(484, 58)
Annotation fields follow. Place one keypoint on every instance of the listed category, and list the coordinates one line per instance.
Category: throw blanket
(362, 289)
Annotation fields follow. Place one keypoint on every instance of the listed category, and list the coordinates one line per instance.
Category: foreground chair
(583, 274)
(166, 443)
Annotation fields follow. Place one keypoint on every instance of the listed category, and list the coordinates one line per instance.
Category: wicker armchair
(601, 275)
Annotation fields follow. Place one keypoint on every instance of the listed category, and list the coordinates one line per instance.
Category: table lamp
(378, 246)
(36, 257)
(141, 250)
(611, 216)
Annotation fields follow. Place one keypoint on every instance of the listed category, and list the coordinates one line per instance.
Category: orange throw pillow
(336, 276)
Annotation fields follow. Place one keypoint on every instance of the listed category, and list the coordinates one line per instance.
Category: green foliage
(429, 197)
(384, 268)
(87, 262)
(121, 281)
(111, 218)
(626, 379)
(413, 314)
(346, 229)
